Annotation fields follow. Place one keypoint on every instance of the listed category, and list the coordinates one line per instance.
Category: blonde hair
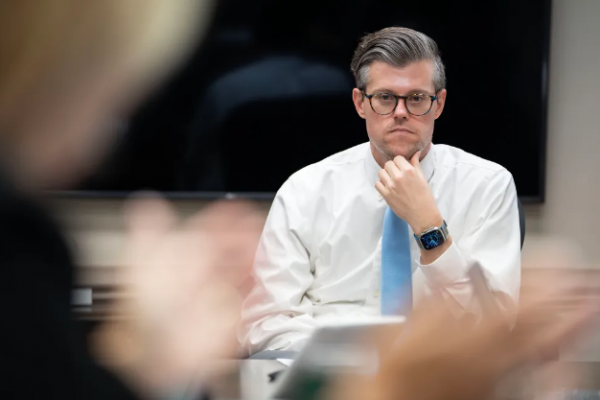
(42, 43)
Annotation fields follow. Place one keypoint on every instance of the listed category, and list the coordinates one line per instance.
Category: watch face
(432, 239)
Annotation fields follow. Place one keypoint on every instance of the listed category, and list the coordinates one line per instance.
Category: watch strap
(444, 229)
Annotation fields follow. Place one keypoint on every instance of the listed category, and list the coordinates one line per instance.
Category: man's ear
(360, 102)
(441, 102)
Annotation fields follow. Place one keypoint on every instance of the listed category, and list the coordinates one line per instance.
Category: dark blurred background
(269, 92)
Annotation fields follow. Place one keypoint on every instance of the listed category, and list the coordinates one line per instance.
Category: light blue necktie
(396, 273)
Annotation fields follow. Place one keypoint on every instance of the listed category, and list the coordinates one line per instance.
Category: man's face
(399, 133)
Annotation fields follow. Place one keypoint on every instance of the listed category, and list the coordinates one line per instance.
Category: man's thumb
(416, 159)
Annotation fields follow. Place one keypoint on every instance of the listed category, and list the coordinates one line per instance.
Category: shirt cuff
(448, 269)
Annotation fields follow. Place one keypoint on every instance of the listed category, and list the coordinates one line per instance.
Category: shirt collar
(427, 165)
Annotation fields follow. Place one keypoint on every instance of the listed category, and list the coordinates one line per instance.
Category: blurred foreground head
(67, 67)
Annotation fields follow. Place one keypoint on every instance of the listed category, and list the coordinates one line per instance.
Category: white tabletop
(248, 380)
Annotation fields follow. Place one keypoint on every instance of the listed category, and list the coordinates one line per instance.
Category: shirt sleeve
(277, 315)
(494, 242)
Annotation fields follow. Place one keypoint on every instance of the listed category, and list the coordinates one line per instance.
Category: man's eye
(415, 98)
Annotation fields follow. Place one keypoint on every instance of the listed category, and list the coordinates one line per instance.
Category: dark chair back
(522, 224)
(264, 142)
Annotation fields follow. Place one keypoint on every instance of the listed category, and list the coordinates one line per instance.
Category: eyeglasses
(386, 103)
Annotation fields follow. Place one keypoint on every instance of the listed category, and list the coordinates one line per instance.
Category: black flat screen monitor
(269, 91)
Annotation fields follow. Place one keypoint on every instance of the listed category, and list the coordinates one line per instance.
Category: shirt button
(376, 294)
(379, 197)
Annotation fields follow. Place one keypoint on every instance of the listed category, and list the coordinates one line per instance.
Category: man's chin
(402, 152)
(391, 152)
(407, 151)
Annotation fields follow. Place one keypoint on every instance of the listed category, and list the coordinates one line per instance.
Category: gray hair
(398, 47)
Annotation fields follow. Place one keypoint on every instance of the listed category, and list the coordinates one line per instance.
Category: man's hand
(182, 306)
(406, 191)
(437, 356)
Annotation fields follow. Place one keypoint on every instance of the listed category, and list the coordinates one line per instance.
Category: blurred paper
(285, 361)
(81, 297)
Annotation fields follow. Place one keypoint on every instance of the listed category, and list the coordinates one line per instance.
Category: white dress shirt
(319, 257)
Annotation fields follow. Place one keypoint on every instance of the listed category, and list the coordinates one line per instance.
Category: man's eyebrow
(412, 91)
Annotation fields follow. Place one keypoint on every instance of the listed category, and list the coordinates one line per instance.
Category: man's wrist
(433, 221)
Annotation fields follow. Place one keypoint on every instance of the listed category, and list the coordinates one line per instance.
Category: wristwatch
(433, 237)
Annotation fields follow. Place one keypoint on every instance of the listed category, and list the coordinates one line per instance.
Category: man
(324, 253)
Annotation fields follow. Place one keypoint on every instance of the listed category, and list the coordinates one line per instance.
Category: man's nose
(401, 111)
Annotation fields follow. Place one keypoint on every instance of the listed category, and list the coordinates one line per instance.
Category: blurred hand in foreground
(439, 357)
(182, 279)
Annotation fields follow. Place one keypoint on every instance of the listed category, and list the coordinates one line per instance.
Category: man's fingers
(223, 214)
(550, 330)
(402, 163)
(231, 231)
(430, 317)
(415, 160)
(149, 219)
(541, 328)
(148, 215)
(385, 178)
(382, 189)
(392, 170)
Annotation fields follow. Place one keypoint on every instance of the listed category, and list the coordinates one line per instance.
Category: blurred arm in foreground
(184, 305)
(66, 68)
(439, 357)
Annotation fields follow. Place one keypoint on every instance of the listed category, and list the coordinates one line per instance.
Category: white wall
(572, 207)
